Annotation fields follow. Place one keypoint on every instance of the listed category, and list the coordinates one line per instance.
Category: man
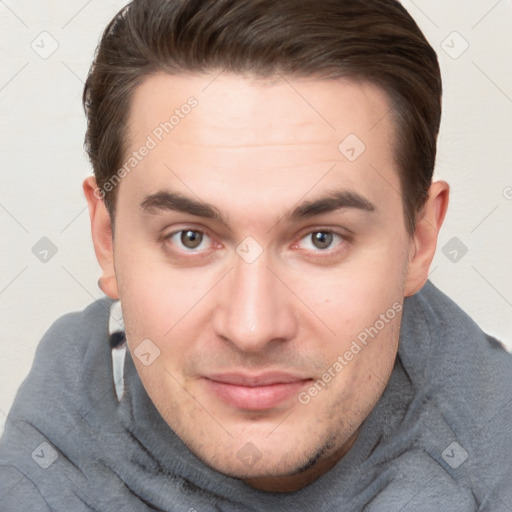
(264, 214)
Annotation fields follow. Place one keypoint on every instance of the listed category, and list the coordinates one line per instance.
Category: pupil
(322, 240)
(191, 239)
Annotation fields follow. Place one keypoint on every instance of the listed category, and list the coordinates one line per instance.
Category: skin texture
(255, 150)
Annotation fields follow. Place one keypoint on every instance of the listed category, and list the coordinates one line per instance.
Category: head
(262, 204)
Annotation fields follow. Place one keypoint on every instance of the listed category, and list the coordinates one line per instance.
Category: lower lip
(255, 398)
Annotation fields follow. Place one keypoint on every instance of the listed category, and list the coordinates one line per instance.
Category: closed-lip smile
(255, 392)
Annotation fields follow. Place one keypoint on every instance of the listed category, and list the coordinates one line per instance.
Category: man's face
(253, 250)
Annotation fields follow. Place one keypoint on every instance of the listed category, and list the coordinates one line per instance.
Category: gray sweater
(439, 439)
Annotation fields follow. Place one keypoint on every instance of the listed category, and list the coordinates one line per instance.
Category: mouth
(255, 392)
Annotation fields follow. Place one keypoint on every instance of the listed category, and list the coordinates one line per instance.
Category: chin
(259, 470)
(258, 458)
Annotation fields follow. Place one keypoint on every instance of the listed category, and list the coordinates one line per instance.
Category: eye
(190, 239)
(320, 241)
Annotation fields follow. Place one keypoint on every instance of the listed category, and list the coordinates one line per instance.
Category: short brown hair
(372, 40)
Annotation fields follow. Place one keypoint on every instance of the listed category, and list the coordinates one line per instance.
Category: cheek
(350, 298)
(153, 294)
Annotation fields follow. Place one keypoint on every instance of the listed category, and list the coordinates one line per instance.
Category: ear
(101, 236)
(424, 239)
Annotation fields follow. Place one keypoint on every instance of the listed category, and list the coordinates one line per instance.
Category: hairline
(272, 79)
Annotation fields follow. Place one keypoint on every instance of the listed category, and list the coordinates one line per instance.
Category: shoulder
(457, 358)
(462, 409)
(17, 492)
(63, 359)
(440, 345)
(42, 425)
(62, 354)
(69, 335)
(419, 484)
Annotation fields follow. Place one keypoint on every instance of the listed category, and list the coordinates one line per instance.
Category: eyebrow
(336, 200)
(171, 201)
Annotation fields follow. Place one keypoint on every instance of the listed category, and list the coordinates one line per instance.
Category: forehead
(246, 135)
(277, 107)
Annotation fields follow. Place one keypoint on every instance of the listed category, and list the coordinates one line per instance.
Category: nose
(254, 310)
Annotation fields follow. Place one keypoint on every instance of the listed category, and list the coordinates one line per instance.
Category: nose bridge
(254, 309)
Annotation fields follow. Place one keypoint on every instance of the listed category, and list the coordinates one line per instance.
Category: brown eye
(191, 239)
(191, 243)
(322, 239)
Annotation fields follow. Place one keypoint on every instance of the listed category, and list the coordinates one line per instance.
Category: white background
(43, 164)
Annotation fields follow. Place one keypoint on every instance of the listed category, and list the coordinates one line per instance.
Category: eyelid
(344, 233)
(311, 233)
(204, 240)
(346, 238)
(169, 231)
(166, 238)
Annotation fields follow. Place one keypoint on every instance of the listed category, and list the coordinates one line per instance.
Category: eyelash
(166, 239)
(318, 253)
(309, 234)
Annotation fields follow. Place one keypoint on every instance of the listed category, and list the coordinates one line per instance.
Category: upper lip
(254, 380)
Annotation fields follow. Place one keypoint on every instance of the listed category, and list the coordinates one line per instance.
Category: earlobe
(424, 240)
(102, 238)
